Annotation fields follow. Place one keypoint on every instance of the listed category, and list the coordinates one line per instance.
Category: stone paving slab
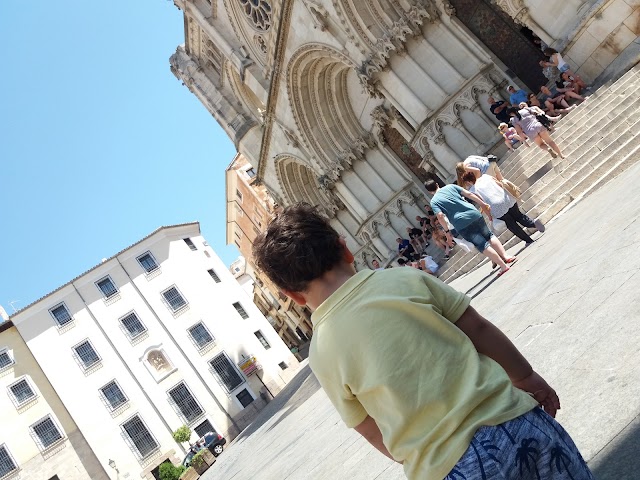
(572, 305)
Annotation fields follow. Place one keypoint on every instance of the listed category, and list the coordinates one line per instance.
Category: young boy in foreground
(412, 367)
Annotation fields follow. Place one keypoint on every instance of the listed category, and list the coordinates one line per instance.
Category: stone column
(351, 202)
(381, 248)
(413, 108)
(462, 129)
(447, 154)
(430, 84)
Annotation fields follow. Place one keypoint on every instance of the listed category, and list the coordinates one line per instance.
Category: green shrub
(168, 471)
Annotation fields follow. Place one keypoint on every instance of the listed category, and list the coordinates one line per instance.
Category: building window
(255, 230)
(139, 437)
(283, 365)
(7, 463)
(226, 372)
(6, 360)
(204, 428)
(251, 172)
(239, 195)
(113, 396)
(190, 243)
(239, 210)
(107, 287)
(132, 325)
(200, 335)
(214, 275)
(60, 314)
(45, 432)
(86, 355)
(245, 398)
(237, 244)
(21, 392)
(263, 340)
(241, 311)
(174, 298)
(185, 402)
(147, 262)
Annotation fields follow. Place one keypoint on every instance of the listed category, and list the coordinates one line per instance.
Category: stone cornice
(272, 100)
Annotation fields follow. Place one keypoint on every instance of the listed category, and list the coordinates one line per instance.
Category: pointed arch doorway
(507, 40)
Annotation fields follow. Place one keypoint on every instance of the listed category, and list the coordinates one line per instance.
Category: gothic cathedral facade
(352, 104)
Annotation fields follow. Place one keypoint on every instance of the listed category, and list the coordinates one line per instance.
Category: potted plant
(199, 463)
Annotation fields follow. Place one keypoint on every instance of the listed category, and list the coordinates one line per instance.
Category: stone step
(531, 175)
(533, 160)
(615, 157)
(583, 153)
(575, 184)
(590, 111)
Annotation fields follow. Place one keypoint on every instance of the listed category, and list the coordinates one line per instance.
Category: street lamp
(113, 465)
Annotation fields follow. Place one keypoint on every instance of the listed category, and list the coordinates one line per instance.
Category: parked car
(213, 441)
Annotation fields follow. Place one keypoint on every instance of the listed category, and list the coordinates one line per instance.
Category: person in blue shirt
(405, 249)
(516, 96)
(450, 201)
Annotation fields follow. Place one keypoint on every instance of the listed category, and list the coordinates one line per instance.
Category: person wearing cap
(516, 96)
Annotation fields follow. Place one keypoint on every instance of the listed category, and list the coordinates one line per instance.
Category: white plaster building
(352, 104)
(157, 336)
(38, 438)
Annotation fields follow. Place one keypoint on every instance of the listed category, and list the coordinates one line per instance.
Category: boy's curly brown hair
(299, 246)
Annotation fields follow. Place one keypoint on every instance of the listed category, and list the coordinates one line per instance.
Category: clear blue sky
(100, 143)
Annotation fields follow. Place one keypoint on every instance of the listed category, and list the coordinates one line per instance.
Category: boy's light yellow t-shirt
(385, 345)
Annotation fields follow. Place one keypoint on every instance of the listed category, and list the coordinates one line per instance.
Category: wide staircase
(599, 139)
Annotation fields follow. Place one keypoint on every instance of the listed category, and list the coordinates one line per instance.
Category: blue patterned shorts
(532, 446)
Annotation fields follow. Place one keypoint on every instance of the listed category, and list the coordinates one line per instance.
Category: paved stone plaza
(571, 304)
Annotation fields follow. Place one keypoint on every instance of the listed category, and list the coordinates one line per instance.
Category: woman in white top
(557, 61)
(503, 205)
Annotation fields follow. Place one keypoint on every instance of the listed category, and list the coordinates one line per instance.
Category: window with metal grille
(21, 391)
(244, 397)
(5, 359)
(133, 325)
(239, 195)
(190, 243)
(186, 403)
(214, 275)
(263, 340)
(113, 395)
(147, 262)
(46, 432)
(200, 335)
(241, 311)
(226, 372)
(61, 314)
(107, 287)
(7, 464)
(86, 354)
(139, 436)
(174, 299)
(203, 428)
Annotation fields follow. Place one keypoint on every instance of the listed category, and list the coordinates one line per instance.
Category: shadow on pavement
(620, 460)
(301, 387)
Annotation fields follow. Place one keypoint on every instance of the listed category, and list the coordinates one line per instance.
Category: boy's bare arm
(370, 431)
(490, 341)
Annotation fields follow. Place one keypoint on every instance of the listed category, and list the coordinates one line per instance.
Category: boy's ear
(347, 255)
(296, 297)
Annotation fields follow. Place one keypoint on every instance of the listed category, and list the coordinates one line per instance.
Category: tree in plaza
(182, 434)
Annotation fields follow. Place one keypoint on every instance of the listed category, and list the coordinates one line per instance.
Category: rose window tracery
(259, 12)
